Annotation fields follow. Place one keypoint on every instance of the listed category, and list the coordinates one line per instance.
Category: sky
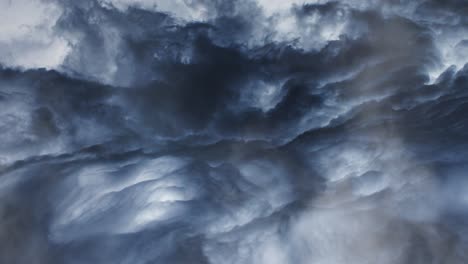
(233, 131)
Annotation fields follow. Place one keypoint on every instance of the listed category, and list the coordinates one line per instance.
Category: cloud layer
(243, 131)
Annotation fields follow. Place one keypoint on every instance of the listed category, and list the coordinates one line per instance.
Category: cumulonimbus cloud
(243, 131)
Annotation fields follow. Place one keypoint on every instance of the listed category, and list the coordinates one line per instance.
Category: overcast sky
(233, 131)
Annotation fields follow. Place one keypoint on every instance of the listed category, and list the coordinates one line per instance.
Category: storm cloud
(243, 131)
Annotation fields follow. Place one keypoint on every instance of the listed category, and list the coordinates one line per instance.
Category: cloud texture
(243, 131)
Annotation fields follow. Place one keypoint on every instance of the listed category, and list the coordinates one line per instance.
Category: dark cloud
(237, 132)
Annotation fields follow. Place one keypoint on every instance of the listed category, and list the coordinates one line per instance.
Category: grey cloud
(238, 132)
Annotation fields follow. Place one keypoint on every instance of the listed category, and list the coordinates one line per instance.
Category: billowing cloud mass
(234, 131)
